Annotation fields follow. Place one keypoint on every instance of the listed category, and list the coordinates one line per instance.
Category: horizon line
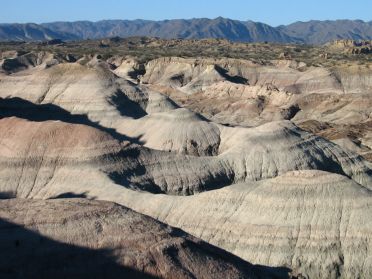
(186, 19)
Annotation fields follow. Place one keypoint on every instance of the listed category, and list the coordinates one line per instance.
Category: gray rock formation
(78, 238)
(216, 147)
(316, 223)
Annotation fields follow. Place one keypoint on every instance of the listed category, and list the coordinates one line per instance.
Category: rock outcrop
(91, 90)
(78, 238)
(316, 223)
(352, 46)
(41, 159)
(192, 75)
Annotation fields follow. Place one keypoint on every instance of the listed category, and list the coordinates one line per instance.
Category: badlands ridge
(270, 162)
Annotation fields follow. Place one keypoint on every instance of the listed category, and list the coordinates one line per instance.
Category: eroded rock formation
(262, 159)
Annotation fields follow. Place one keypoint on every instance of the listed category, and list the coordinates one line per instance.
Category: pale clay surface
(265, 191)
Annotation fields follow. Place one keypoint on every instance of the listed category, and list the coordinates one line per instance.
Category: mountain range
(311, 32)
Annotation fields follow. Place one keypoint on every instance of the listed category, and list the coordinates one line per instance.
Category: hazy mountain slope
(187, 29)
(261, 32)
(31, 32)
(312, 32)
(319, 32)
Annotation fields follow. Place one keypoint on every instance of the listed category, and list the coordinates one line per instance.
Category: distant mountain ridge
(320, 32)
(31, 32)
(311, 32)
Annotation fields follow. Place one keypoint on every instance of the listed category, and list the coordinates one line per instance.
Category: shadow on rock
(126, 106)
(235, 79)
(27, 254)
(27, 110)
(72, 195)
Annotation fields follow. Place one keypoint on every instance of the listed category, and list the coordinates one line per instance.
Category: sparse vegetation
(145, 49)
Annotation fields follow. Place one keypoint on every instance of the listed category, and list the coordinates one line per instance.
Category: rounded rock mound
(79, 238)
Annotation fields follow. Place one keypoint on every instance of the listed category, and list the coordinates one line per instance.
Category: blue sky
(273, 12)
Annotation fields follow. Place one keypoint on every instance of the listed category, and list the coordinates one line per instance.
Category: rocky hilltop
(353, 47)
